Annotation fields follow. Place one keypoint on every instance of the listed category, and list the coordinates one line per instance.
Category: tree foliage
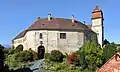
(56, 56)
(47, 55)
(6, 52)
(1, 56)
(93, 54)
(1, 47)
(106, 42)
(81, 58)
(73, 59)
(14, 50)
(27, 55)
(109, 51)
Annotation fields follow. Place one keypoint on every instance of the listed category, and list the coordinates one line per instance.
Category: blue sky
(17, 15)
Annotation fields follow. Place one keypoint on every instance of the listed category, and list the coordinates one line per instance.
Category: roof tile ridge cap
(107, 61)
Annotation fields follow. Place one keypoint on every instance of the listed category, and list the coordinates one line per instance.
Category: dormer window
(41, 36)
(62, 35)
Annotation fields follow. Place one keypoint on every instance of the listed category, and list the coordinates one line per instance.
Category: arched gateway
(41, 51)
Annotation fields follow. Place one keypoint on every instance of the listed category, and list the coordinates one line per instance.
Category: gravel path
(35, 67)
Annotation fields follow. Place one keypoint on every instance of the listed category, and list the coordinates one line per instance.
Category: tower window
(41, 36)
(62, 35)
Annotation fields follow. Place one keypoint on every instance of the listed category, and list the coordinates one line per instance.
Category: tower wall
(97, 24)
(97, 27)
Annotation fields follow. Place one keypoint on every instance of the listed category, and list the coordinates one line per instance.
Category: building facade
(66, 35)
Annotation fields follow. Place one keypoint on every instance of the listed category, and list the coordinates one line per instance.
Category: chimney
(49, 16)
(73, 18)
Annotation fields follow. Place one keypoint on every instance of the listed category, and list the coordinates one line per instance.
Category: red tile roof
(55, 23)
(111, 64)
(97, 8)
(21, 34)
(97, 13)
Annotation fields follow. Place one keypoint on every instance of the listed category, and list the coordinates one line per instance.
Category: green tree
(93, 55)
(1, 57)
(108, 51)
(11, 51)
(106, 42)
(1, 47)
(81, 58)
(6, 52)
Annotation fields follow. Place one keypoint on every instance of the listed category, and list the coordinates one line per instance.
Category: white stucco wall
(97, 27)
(73, 41)
(51, 40)
(97, 22)
(18, 42)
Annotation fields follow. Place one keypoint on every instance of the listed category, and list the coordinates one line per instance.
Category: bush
(11, 51)
(12, 62)
(66, 55)
(6, 52)
(18, 59)
(34, 54)
(56, 56)
(109, 51)
(23, 56)
(47, 56)
(27, 55)
(81, 58)
(73, 59)
(93, 55)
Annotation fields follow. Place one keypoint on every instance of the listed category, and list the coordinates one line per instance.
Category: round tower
(97, 24)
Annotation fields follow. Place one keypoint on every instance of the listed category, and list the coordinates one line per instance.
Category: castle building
(66, 35)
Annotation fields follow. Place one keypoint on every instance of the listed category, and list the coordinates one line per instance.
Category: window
(62, 35)
(41, 36)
